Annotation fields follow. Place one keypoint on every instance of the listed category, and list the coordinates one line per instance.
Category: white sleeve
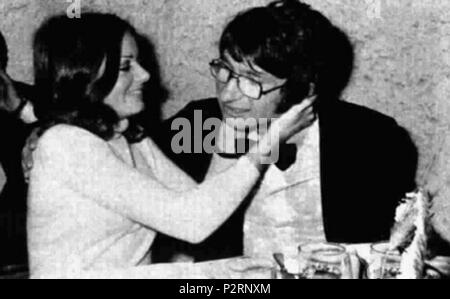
(165, 171)
(85, 163)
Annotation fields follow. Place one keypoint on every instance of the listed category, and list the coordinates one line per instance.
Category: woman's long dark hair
(68, 56)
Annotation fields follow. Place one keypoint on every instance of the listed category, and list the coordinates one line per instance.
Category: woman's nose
(141, 75)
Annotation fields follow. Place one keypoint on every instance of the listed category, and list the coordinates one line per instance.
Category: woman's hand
(290, 123)
(439, 267)
(295, 119)
(27, 153)
(9, 99)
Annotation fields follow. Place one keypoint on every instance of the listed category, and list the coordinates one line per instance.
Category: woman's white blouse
(89, 208)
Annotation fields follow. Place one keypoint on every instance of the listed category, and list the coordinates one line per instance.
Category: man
(339, 180)
(14, 97)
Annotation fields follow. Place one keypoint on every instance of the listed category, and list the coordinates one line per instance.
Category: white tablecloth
(236, 268)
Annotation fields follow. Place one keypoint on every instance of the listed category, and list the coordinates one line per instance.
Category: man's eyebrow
(127, 56)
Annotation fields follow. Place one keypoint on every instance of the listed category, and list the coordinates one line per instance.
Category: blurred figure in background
(14, 97)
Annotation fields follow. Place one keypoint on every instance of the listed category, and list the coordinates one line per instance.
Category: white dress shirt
(286, 210)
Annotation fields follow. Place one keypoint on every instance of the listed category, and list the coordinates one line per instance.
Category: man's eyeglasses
(249, 87)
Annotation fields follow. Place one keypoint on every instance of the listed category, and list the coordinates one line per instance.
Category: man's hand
(9, 99)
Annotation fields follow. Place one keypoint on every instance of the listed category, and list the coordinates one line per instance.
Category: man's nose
(230, 91)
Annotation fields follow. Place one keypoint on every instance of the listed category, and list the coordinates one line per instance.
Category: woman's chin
(133, 109)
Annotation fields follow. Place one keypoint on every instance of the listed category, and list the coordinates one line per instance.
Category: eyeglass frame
(233, 74)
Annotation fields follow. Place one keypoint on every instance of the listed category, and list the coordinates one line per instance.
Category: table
(235, 268)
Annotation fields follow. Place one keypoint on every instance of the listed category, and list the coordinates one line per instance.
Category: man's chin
(242, 124)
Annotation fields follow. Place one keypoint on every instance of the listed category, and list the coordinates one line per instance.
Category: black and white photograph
(204, 141)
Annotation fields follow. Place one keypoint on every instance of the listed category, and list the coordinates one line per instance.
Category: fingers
(312, 89)
(301, 112)
(306, 104)
(305, 114)
(32, 145)
(27, 154)
(27, 166)
(310, 100)
(442, 264)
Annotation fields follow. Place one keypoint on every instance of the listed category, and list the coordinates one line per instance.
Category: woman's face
(126, 96)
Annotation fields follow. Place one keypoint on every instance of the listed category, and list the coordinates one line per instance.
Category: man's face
(235, 105)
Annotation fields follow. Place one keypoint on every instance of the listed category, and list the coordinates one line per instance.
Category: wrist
(262, 156)
(257, 162)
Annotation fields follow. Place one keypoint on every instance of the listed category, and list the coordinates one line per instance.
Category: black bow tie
(287, 154)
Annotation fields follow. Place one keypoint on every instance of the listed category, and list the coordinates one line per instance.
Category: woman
(95, 201)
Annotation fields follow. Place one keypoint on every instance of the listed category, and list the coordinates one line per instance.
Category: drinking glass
(325, 261)
(384, 263)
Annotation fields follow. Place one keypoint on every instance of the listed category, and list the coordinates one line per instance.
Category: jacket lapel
(330, 172)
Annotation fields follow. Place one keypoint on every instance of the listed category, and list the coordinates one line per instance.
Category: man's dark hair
(292, 41)
(68, 57)
(3, 52)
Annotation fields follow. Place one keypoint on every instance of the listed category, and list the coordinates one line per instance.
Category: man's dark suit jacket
(368, 163)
